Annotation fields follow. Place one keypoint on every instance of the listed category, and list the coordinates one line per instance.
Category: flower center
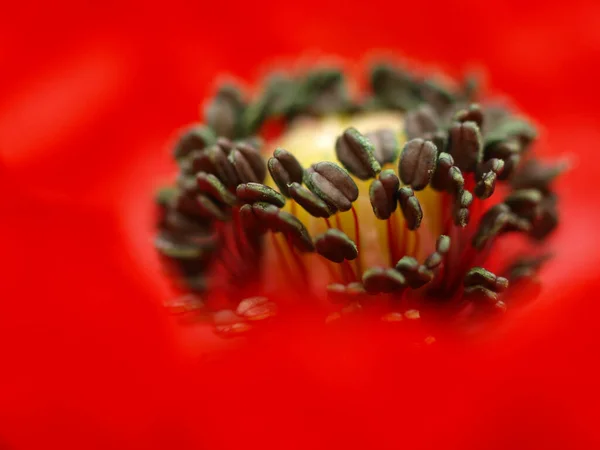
(313, 141)
(385, 206)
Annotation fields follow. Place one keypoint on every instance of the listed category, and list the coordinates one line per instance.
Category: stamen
(428, 140)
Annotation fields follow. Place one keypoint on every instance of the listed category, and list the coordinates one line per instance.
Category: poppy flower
(92, 358)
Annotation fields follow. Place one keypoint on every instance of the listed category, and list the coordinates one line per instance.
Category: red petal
(90, 360)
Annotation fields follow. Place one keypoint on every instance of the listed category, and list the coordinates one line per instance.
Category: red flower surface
(90, 97)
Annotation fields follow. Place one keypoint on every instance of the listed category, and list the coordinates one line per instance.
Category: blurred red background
(88, 93)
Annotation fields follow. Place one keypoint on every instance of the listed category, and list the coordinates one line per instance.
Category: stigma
(389, 206)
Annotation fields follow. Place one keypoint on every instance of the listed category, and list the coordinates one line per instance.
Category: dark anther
(178, 223)
(323, 91)
(508, 151)
(407, 264)
(486, 185)
(332, 184)
(226, 144)
(510, 165)
(223, 114)
(184, 247)
(394, 88)
(336, 246)
(379, 280)
(472, 114)
(484, 297)
(252, 226)
(197, 137)
(493, 116)
(286, 223)
(214, 160)
(496, 220)
(187, 205)
(483, 287)
(441, 177)
(494, 165)
(276, 100)
(281, 90)
(211, 208)
(524, 203)
(357, 154)
(386, 145)
(415, 274)
(456, 182)
(438, 97)
(502, 149)
(198, 161)
(465, 145)
(478, 276)
(256, 192)
(256, 114)
(309, 201)
(547, 219)
(439, 139)
(532, 174)
(383, 194)
(285, 170)
(411, 208)
(417, 163)
(420, 121)
(186, 165)
(256, 308)
(442, 247)
(187, 184)
(461, 208)
(248, 164)
(211, 185)
(526, 268)
(491, 223)
(511, 129)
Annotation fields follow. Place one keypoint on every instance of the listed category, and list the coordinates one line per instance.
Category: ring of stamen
(254, 229)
